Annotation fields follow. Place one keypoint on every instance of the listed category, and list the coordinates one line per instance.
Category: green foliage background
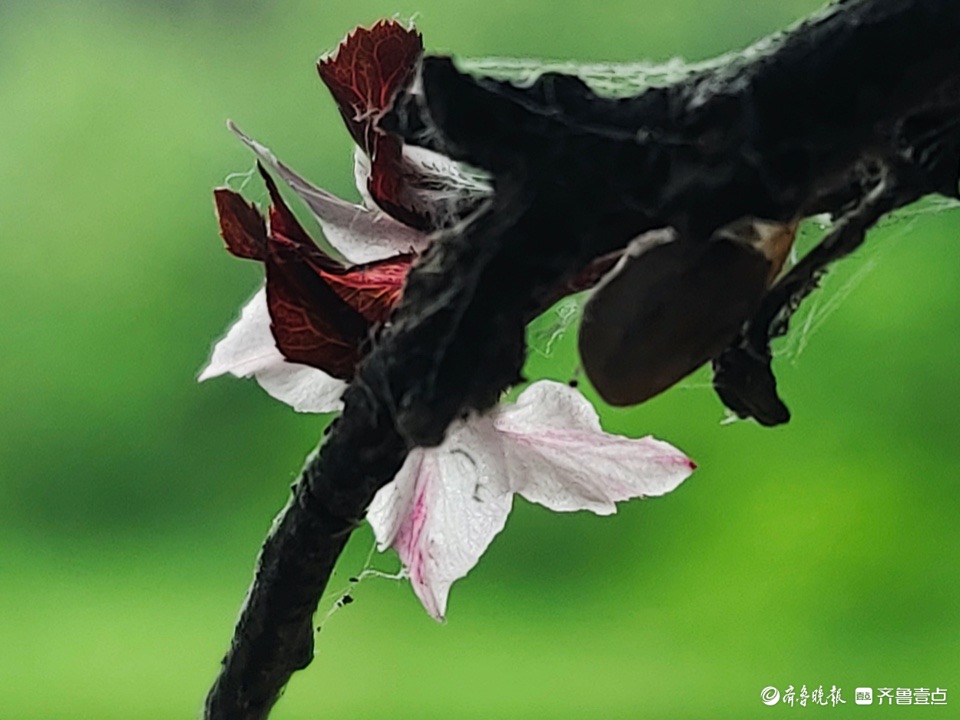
(133, 501)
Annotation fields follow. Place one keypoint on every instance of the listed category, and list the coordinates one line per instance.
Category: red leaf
(241, 225)
(310, 322)
(364, 75)
(321, 311)
(373, 289)
(284, 224)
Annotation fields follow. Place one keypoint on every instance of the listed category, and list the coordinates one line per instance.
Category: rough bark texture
(853, 112)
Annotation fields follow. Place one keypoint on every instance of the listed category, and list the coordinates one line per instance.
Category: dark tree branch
(743, 377)
(799, 125)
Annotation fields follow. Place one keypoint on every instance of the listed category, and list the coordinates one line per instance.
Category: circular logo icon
(770, 695)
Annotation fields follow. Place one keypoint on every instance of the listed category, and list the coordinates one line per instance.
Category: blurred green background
(133, 501)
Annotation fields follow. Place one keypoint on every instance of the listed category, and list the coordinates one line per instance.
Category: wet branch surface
(853, 112)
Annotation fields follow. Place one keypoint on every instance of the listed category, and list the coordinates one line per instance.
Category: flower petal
(249, 349)
(361, 235)
(558, 455)
(448, 503)
(438, 190)
(443, 509)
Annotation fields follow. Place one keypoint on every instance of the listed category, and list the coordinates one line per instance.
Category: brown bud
(671, 305)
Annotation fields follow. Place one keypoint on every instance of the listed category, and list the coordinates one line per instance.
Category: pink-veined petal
(360, 234)
(249, 349)
(448, 503)
(443, 510)
(558, 456)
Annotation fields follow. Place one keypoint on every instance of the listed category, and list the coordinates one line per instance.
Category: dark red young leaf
(366, 71)
(321, 311)
(364, 75)
(241, 225)
(310, 322)
(284, 224)
(371, 289)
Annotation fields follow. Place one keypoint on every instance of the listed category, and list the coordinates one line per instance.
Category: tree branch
(791, 128)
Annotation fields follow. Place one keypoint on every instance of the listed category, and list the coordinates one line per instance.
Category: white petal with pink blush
(447, 503)
(249, 349)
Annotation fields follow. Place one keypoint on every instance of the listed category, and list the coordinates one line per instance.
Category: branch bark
(796, 126)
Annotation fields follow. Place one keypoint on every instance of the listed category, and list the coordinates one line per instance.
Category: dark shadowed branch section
(853, 112)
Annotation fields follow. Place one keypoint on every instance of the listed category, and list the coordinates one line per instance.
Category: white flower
(447, 503)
